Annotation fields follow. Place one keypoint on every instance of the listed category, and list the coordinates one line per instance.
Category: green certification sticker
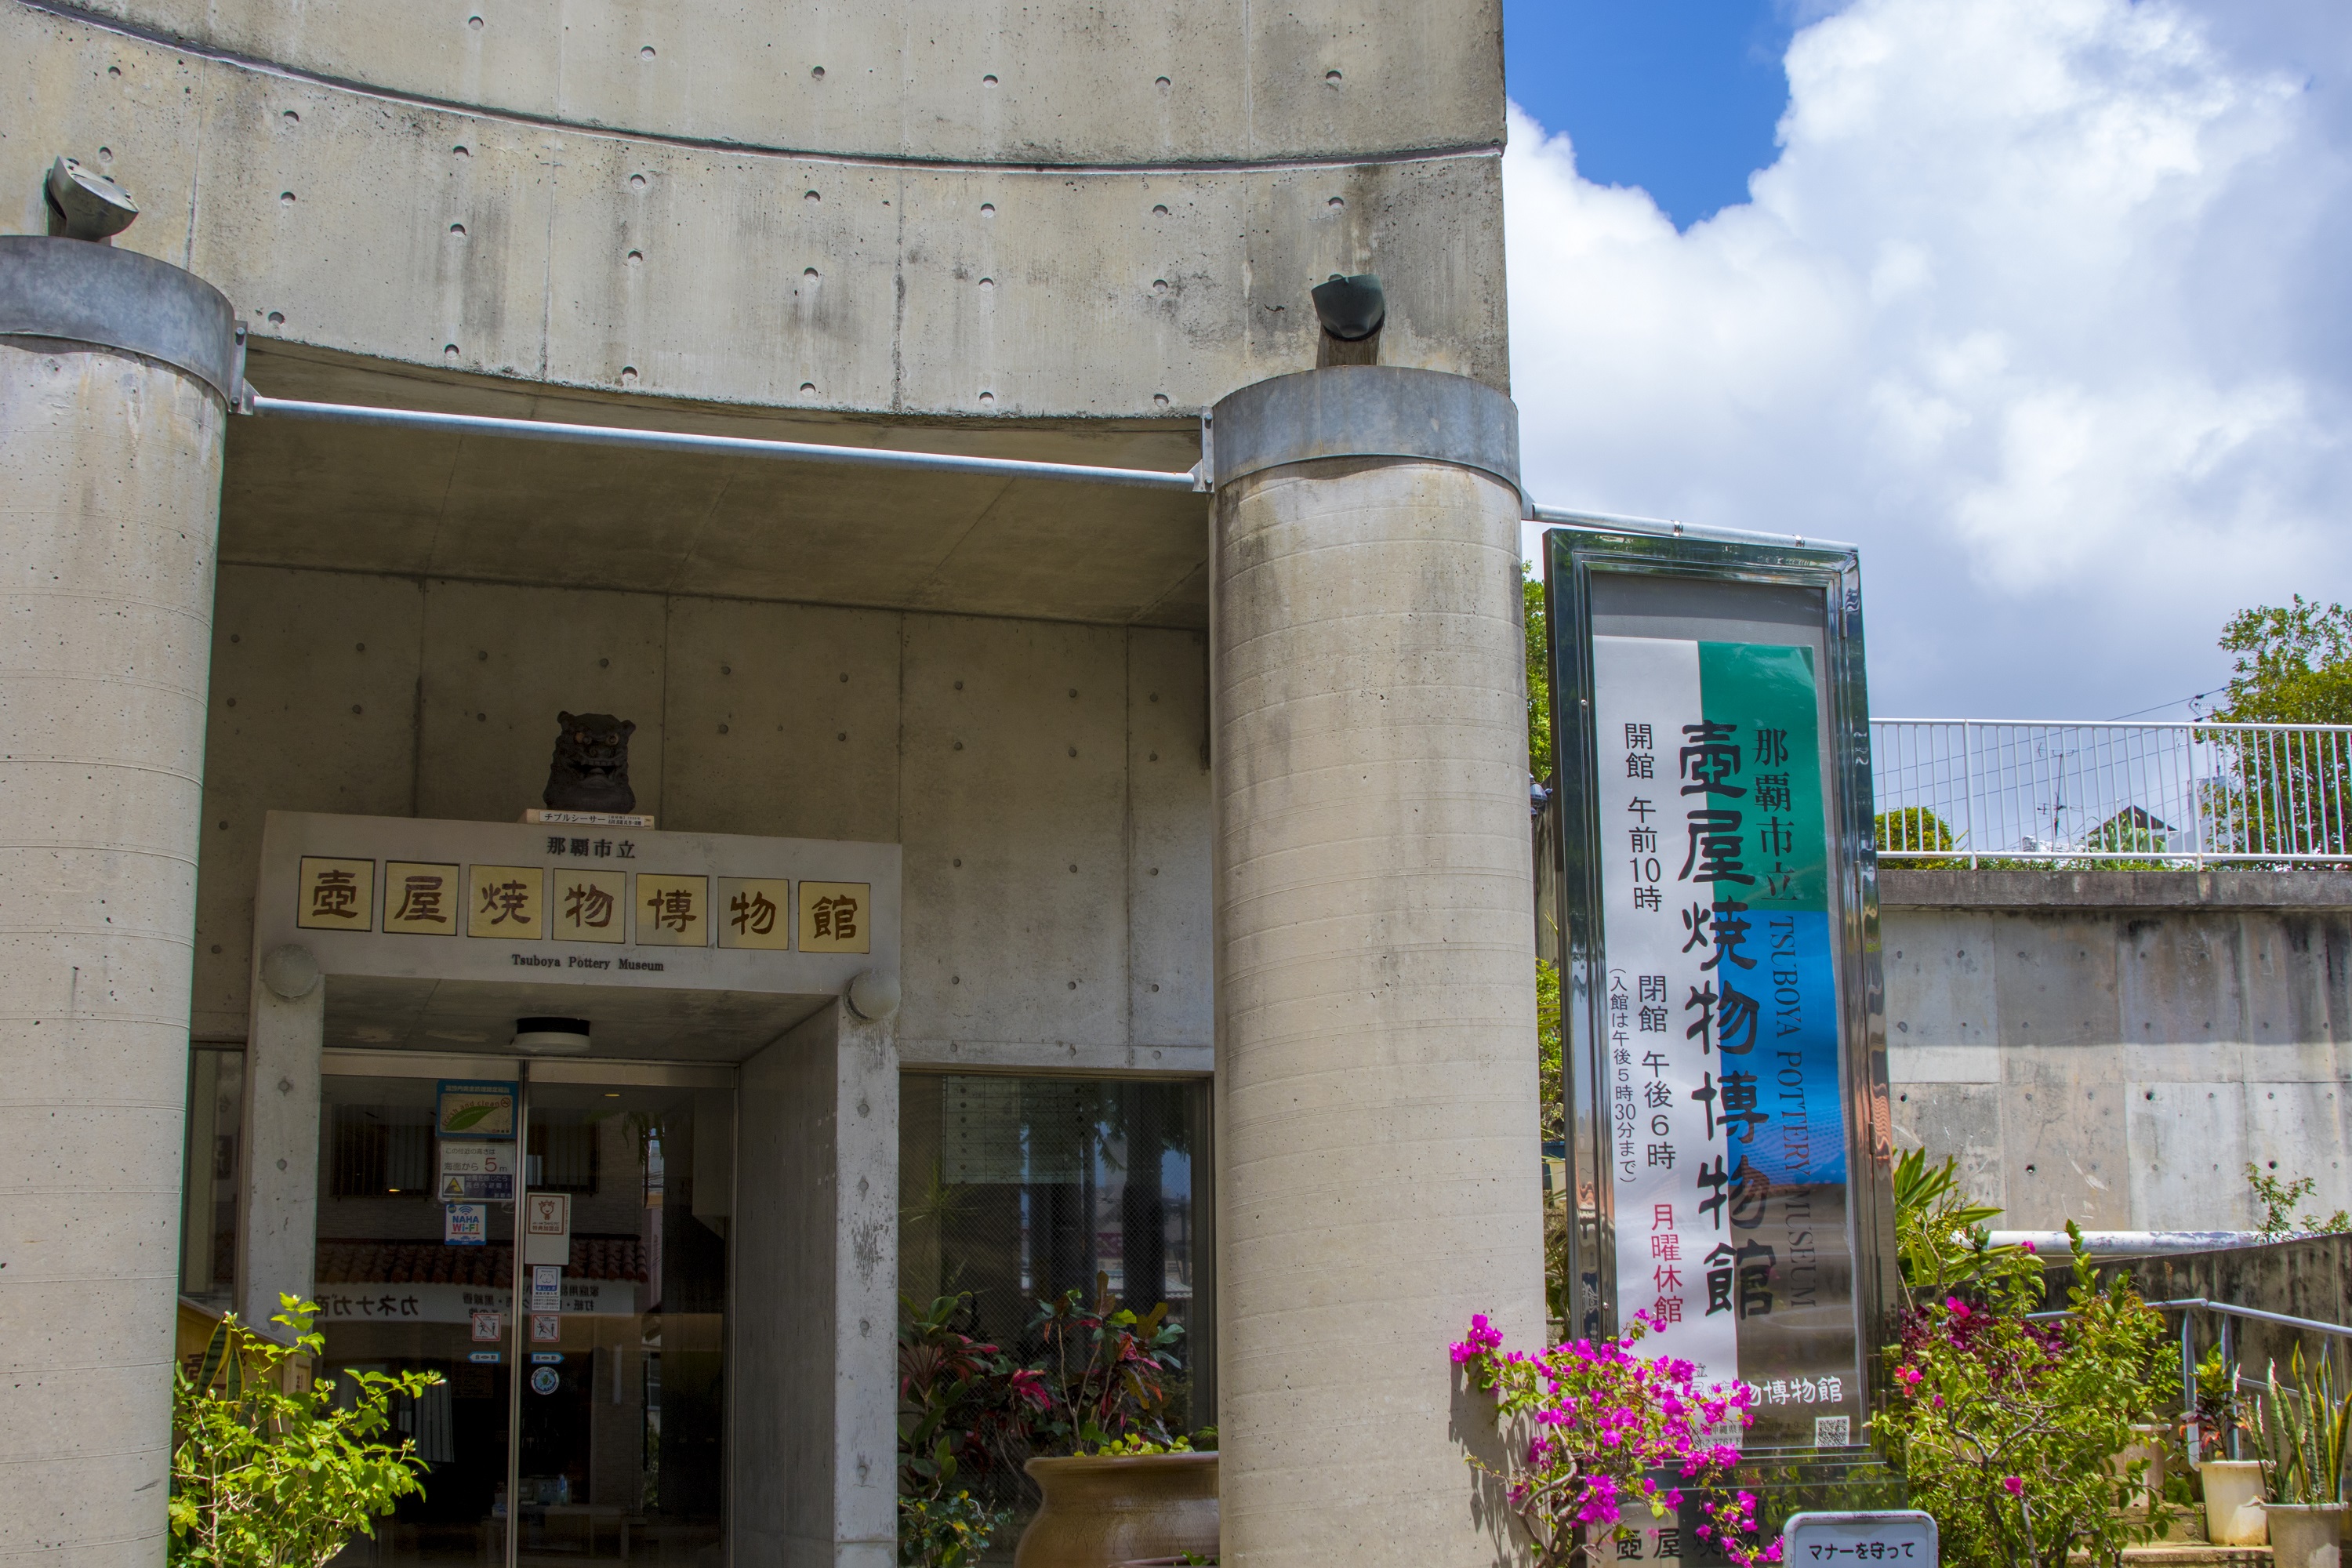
(476, 1110)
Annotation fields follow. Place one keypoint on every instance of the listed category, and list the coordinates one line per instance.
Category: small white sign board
(546, 1287)
(1829, 1540)
(476, 1170)
(547, 1228)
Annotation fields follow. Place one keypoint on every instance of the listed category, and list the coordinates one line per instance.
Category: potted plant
(1590, 1426)
(1123, 1487)
(2299, 1430)
(2231, 1488)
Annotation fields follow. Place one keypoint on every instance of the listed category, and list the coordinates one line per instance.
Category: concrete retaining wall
(2114, 1047)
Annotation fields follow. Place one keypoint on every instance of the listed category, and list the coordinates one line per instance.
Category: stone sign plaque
(834, 916)
(592, 906)
(756, 913)
(420, 898)
(673, 912)
(335, 894)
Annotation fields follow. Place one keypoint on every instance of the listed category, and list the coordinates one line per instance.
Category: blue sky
(2038, 302)
(1678, 97)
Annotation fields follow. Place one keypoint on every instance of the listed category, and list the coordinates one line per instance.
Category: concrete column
(1377, 1151)
(815, 1373)
(277, 1198)
(115, 374)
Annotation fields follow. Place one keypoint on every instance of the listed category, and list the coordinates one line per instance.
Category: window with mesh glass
(1014, 1190)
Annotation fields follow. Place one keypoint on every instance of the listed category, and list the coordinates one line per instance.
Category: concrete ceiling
(303, 493)
(446, 1017)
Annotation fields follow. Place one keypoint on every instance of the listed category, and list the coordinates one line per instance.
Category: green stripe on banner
(1766, 695)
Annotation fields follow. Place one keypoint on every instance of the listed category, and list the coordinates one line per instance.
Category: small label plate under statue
(587, 818)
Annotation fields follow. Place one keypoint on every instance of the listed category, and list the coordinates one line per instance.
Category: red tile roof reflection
(430, 1263)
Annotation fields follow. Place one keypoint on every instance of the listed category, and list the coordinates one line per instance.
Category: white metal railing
(1973, 791)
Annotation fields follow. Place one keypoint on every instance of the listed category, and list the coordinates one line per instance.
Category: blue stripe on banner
(1796, 1055)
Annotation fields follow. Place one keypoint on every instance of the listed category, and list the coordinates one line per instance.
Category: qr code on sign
(1830, 1431)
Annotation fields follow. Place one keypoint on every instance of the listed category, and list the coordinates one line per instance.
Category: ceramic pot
(2305, 1535)
(2234, 1502)
(1100, 1511)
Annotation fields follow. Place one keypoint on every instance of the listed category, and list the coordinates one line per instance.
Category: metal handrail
(2184, 1306)
(2229, 1307)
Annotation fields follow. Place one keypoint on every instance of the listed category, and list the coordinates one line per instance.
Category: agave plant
(2299, 1430)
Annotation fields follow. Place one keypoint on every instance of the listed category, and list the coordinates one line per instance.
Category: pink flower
(2030, 1249)
(2016, 1487)
(1909, 1375)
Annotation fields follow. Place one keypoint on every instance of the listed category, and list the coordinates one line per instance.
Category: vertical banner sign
(1719, 1054)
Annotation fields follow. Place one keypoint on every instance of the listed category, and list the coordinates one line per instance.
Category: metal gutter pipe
(728, 446)
(908, 462)
(1193, 479)
(2131, 1243)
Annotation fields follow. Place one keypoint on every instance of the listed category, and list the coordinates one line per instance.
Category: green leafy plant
(1106, 1372)
(2299, 1430)
(267, 1477)
(2008, 1428)
(2282, 1203)
(947, 1531)
(964, 1408)
(2216, 1408)
(1940, 1237)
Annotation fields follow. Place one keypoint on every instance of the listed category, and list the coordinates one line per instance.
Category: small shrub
(1589, 1423)
(262, 1477)
(2008, 1428)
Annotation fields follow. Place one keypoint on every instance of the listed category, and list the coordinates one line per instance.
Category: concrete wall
(1048, 781)
(2114, 1047)
(981, 210)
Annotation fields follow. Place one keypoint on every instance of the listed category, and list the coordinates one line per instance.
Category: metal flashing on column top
(80, 291)
(1366, 411)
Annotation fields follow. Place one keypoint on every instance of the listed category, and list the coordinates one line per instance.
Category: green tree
(1915, 828)
(265, 1477)
(2286, 791)
(1538, 649)
(2294, 665)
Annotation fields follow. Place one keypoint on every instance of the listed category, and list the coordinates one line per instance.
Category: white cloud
(2039, 304)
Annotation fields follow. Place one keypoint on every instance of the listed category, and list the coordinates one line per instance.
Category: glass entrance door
(613, 1372)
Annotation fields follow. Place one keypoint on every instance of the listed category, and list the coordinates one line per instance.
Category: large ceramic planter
(2234, 1502)
(1100, 1511)
(2305, 1535)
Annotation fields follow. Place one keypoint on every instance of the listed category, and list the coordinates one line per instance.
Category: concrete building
(1044, 877)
